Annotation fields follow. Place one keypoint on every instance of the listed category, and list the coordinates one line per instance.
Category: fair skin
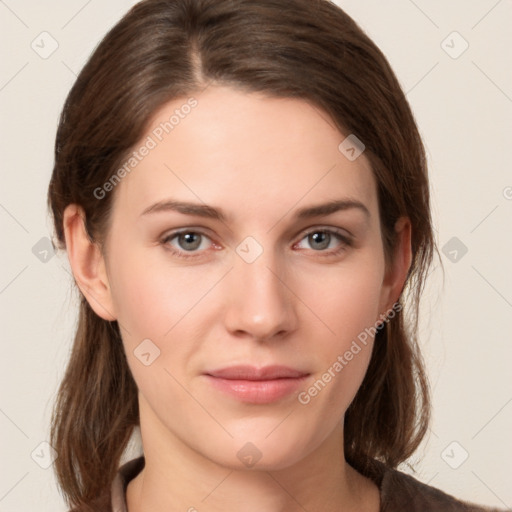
(300, 304)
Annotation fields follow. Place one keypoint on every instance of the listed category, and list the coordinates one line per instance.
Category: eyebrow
(332, 207)
(204, 210)
(201, 210)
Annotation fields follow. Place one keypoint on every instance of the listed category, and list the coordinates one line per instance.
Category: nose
(260, 303)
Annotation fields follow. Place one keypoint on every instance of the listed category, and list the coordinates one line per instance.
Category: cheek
(162, 310)
(345, 298)
(155, 304)
(150, 298)
(347, 304)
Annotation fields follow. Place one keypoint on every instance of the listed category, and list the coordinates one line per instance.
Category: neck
(178, 478)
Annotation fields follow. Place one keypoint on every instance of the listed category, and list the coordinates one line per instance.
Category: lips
(253, 373)
(254, 385)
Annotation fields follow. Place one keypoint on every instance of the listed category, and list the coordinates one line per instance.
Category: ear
(398, 267)
(87, 263)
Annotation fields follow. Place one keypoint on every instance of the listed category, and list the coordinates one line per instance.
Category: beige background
(463, 105)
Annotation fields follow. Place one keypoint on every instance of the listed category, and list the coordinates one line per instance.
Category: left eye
(320, 240)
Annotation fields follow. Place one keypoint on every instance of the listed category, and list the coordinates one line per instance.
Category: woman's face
(246, 269)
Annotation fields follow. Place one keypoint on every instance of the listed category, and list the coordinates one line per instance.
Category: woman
(243, 196)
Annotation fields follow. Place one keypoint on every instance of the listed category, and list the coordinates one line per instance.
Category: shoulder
(115, 501)
(400, 491)
(126, 472)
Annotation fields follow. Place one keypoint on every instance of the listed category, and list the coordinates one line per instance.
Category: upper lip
(254, 373)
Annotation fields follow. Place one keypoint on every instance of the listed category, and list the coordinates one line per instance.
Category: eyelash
(345, 241)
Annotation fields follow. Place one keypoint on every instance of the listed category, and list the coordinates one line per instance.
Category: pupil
(320, 239)
(190, 241)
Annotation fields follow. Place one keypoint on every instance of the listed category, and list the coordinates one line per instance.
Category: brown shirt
(399, 492)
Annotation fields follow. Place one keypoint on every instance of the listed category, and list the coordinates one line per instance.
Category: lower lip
(258, 391)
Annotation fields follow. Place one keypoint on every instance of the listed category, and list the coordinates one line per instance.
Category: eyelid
(175, 232)
(342, 233)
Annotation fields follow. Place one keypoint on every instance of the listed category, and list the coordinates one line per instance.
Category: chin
(266, 449)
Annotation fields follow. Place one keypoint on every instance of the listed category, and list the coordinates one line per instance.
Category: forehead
(245, 151)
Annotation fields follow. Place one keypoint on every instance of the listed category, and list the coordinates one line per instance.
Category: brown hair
(164, 49)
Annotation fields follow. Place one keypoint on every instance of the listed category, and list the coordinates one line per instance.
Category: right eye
(187, 241)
